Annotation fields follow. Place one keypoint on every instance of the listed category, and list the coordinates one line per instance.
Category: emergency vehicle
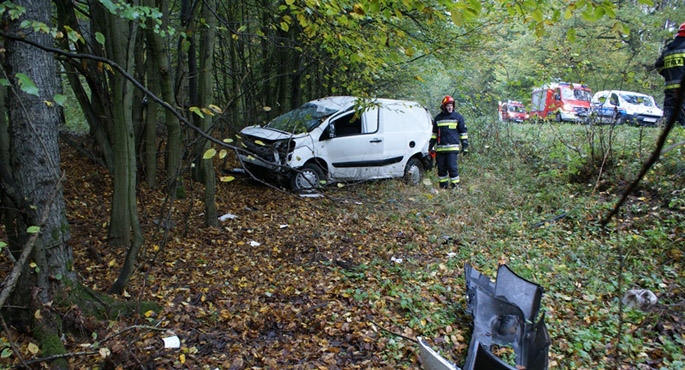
(561, 101)
(512, 111)
(615, 106)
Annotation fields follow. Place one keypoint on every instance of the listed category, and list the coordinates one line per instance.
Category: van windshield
(575, 94)
(637, 100)
(302, 119)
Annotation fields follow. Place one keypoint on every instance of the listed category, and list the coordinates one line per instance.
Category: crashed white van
(634, 108)
(340, 138)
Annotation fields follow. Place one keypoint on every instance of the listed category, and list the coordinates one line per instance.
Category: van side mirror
(557, 97)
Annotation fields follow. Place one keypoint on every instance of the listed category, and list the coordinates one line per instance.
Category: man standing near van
(449, 137)
(671, 65)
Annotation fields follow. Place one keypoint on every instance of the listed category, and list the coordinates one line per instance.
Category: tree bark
(4, 128)
(150, 137)
(161, 68)
(205, 99)
(35, 173)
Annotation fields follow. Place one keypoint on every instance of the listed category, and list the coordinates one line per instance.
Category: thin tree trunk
(205, 99)
(4, 124)
(161, 68)
(150, 137)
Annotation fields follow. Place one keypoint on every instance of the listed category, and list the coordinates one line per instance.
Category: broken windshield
(302, 119)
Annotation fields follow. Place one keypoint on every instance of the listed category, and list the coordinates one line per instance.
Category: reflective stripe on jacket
(448, 148)
(671, 63)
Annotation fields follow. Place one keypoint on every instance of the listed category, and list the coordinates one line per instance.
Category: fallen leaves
(291, 282)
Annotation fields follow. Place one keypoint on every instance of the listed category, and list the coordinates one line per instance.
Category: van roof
(334, 102)
(621, 92)
(344, 102)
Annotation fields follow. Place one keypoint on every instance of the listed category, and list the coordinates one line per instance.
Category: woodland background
(111, 209)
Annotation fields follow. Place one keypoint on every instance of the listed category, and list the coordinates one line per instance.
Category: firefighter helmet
(447, 100)
(681, 30)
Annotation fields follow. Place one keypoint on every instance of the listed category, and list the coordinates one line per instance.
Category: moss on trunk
(50, 344)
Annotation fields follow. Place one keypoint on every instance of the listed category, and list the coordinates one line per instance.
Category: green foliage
(26, 84)
(133, 12)
(12, 10)
(36, 26)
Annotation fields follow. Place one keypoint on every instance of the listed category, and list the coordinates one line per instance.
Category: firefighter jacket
(449, 130)
(671, 63)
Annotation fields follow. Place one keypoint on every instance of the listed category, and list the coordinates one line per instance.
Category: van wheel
(558, 117)
(307, 178)
(413, 173)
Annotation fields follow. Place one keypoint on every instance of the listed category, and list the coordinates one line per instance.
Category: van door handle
(376, 140)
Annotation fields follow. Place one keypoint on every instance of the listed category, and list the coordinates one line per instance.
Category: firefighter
(448, 139)
(671, 66)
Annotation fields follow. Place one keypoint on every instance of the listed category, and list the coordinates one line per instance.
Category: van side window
(614, 99)
(347, 125)
(371, 120)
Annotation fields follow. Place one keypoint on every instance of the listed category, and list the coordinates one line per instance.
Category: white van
(635, 108)
(341, 138)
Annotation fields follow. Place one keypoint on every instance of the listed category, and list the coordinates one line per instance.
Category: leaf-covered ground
(345, 281)
(264, 290)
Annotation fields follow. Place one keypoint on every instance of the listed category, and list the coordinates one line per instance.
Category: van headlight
(282, 148)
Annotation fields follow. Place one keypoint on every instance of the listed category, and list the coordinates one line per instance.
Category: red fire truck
(512, 111)
(562, 101)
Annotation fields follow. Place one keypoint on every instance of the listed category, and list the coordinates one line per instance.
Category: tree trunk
(161, 69)
(124, 229)
(36, 175)
(206, 98)
(4, 133)
(150, 136)
(138, 110)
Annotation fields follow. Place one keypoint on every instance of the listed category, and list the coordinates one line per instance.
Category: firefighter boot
(454, 183)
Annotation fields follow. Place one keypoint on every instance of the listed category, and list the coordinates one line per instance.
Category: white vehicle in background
(633, 107)
(341, 138)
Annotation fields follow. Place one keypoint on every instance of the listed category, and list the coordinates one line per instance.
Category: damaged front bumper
(504, 314)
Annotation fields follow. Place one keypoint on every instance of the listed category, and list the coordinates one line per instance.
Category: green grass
(516, 180)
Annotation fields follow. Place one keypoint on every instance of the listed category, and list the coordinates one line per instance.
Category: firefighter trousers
(448, 169)
(670, 96)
